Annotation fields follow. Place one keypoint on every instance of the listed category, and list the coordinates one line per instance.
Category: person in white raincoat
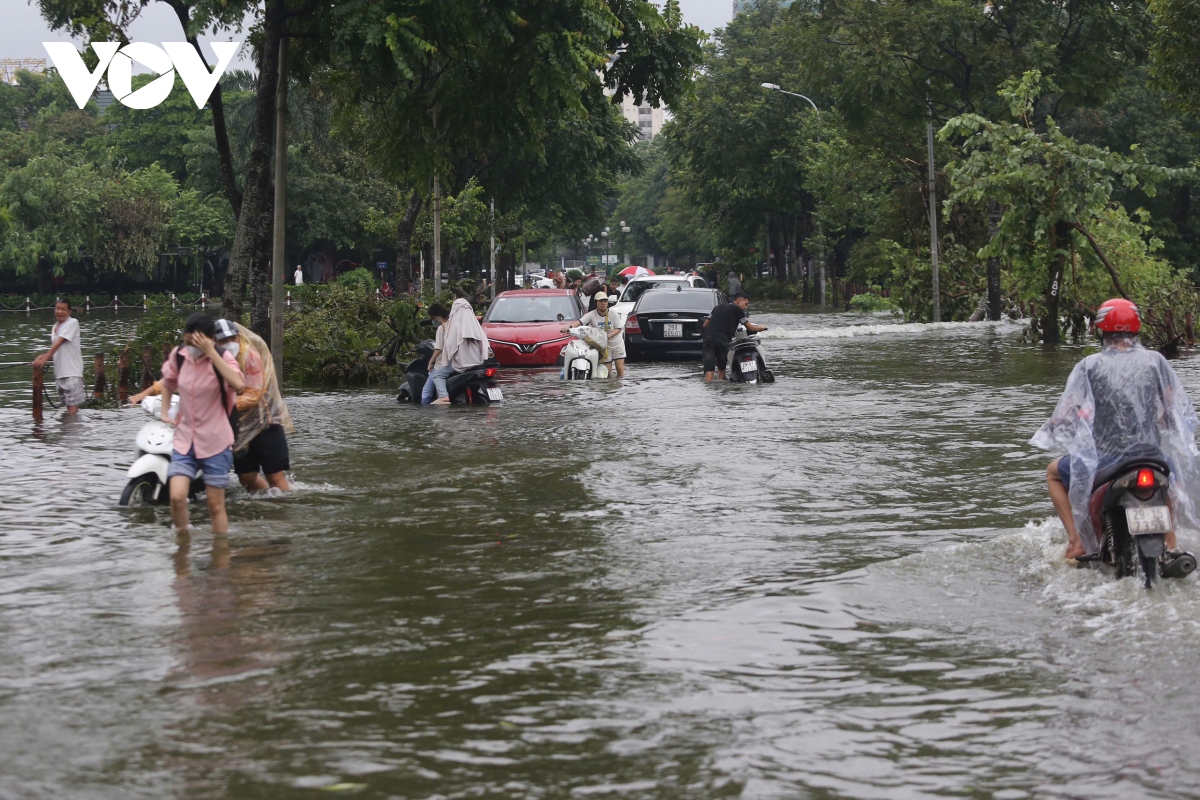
(1122, 402)
(465, 345)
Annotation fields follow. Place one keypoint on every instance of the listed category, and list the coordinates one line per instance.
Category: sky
(24, 30)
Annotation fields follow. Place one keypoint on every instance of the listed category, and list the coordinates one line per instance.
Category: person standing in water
(208, 382)
(260, 449)
(67, 353)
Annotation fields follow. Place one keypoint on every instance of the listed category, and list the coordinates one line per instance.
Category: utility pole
(278, 252)
(437, 222)
(933, 220)
(493, 250)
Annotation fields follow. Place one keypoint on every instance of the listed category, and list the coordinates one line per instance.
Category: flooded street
(841, 585)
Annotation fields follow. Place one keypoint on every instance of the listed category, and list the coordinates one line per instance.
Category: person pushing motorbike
(1123, 400)
(719, 330)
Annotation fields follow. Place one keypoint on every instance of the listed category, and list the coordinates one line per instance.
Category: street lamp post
(933, 220)
(607, 234)
(821, 262)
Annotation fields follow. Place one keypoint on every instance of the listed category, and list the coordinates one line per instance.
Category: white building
(648, 119)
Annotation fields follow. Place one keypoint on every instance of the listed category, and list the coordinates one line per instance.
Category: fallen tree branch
(1112, 271)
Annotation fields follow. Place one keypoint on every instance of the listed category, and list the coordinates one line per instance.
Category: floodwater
(842, 585)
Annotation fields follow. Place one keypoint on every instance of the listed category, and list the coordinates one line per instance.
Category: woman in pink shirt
(203, 435)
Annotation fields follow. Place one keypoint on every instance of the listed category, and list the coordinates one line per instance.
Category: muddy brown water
(842, 585)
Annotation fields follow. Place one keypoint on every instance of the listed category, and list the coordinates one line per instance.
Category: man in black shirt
(719, 330)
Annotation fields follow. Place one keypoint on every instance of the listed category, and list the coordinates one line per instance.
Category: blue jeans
(215, 468)
(436, 381)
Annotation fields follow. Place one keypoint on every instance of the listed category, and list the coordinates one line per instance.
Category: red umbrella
(635, 272)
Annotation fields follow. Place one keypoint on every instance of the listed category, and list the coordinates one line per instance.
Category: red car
(525, 325)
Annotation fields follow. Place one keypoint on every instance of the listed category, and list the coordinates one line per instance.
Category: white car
(634, 289)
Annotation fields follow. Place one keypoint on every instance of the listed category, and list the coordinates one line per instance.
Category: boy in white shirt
(608, 322)
(68, 357)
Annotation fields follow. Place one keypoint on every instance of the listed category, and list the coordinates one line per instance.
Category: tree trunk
(1051, 333)
(251, 245)
(775, 244)
(260, 280)
(993, 266)
(217, 103)
(404, 241)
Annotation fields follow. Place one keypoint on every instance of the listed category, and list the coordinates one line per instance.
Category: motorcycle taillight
(1145, 479)
(490, 372)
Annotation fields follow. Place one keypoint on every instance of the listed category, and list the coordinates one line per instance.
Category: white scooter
(148, 476)
(581, 356)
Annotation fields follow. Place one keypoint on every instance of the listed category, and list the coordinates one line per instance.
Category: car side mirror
(612, 298)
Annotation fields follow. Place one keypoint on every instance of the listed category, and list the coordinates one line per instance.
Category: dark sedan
(669, 323)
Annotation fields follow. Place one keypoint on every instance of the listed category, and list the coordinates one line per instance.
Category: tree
(1056, 194)
(52, 201)
(464, 90)
(1176, 59)
(740, 152)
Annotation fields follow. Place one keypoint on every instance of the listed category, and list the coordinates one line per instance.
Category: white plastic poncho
(268, 407)
(1123, 401)
(466, 345)
(594, 336)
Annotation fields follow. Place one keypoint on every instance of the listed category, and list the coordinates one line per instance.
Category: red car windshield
(550, 308)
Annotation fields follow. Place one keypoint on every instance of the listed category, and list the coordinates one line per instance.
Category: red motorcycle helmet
(1118, 316)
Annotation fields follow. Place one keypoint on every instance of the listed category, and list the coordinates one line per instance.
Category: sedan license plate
(750, 366)
(495, 395)
(673, 330)
(1147, 520)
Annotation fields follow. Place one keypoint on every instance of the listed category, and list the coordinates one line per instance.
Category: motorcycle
(148, 474)
(476, 386)
(581, 356)
(746, 361)
(1129, 508)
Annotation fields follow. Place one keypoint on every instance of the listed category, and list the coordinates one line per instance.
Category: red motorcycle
(1131, 513)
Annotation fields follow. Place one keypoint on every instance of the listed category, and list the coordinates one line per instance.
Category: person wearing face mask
(260, 447)
(263, 418)
(207, 382)
(439, 363)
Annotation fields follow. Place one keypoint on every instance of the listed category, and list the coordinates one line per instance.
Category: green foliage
(338, 335)
(1176, 56)
(768, 288)
(873, 303)
(138, 138)
(1055, 192)
(359, 279)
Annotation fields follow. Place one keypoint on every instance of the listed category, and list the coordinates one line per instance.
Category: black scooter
(1129, 508)
(474, 387)
(746, 361)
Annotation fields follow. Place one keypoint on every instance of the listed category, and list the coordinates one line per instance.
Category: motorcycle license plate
(749, 366)
(1147, 520)
(673, 330)
(495, 394)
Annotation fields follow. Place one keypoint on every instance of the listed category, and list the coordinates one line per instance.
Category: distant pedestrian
(299, 275)
(68, 357)
(735, 283)
(208, 383)
(713, 277)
